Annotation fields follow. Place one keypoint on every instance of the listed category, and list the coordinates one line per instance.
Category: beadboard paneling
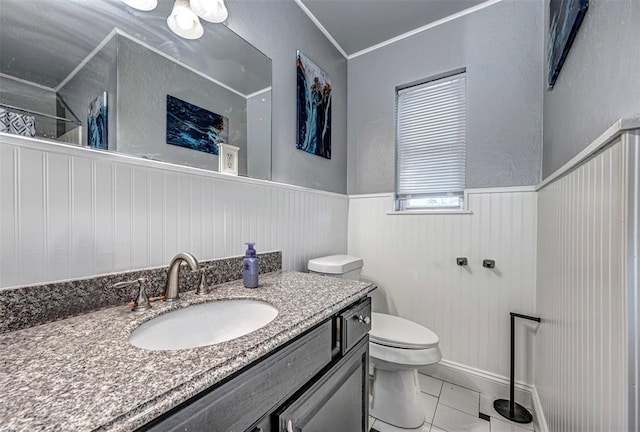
(581, 344)
(68, 214)
(631, 141)
(412, 259)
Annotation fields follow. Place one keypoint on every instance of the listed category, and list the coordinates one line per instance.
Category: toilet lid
(398, 332)
(334, 264)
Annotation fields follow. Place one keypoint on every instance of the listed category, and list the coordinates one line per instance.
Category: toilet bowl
(397, 349)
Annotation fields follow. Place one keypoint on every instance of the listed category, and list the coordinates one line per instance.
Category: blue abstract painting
(193, 127)
(313, 108)
(565, 17)
(97, 123)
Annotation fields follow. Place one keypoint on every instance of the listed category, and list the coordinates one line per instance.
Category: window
(430, 144)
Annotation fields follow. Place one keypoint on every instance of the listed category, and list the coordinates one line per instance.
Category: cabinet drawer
(355, 323)
(235, 405)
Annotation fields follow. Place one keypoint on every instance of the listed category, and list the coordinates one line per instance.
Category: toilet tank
(342, 266)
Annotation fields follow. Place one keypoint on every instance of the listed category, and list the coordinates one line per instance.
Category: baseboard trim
(494, 385)
(541, 420)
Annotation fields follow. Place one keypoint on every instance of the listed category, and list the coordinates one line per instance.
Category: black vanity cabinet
(336, 402)
(316, 382)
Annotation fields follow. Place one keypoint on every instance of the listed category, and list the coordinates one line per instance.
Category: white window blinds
(431, 125)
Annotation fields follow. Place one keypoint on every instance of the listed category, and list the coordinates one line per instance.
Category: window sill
(429, 212)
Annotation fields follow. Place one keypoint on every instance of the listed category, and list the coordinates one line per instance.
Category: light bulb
(143, 5)
(210, 10)
(184, 22)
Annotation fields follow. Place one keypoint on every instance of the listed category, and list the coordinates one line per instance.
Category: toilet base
(396, 398)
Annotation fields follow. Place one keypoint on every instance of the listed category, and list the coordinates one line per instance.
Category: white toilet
(397, 349)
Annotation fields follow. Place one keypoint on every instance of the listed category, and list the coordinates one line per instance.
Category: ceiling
(359, 24)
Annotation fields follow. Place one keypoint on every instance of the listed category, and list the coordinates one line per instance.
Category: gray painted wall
(259, 135)
(278, 28)
(97, 76)
(144, 81)
(501, 47)
(599, 82)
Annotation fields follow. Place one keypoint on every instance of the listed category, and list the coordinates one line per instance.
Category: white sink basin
(203, 324)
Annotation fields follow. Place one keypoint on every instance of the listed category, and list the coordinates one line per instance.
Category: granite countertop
(81, 374)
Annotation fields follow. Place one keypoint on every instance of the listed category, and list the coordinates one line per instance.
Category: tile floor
(451, 408)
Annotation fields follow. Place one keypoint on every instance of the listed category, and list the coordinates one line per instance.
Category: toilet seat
(389, 358)
(396, 343)
(396, 332)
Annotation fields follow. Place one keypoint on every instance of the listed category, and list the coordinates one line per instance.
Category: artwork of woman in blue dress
(97, 123)
(313, 108)
(565, 17)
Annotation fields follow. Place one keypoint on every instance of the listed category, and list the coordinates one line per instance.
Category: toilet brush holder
(510, 409)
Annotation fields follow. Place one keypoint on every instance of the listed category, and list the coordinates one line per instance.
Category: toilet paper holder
(510, 409)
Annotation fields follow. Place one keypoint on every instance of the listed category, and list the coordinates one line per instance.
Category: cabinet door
(337, 402)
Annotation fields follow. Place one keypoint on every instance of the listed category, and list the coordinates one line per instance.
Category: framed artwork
(565, 17)
(193, 127)
(97, 123)
(313, 108)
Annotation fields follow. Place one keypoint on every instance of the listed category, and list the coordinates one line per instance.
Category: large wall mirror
(99, 73)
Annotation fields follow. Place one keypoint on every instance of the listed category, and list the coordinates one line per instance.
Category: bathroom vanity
(304, 371)
(317, 382)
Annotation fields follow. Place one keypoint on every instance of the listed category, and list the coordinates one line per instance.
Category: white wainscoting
(412, 259)
(581, 359)
(631, 142)
(69, 212)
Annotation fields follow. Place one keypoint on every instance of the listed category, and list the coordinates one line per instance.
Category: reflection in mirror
(103, 74)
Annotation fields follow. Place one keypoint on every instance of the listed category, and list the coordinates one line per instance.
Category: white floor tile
(457, 412)
(504, 426)
(536, 426)
(486, 407)
(429, 404)
(453, 420)
(384, 427)
(460, 398)
(430, 385)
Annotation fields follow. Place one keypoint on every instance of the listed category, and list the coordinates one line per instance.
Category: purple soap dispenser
(250, 267)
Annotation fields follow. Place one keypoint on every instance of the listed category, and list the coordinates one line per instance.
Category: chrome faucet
(171, 288)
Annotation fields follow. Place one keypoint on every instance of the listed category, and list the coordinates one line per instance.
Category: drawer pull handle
(363, 319)
(289, 426)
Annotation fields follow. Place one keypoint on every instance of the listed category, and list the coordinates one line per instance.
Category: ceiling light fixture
(184, 22)
(143, 5)
(210, 10)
